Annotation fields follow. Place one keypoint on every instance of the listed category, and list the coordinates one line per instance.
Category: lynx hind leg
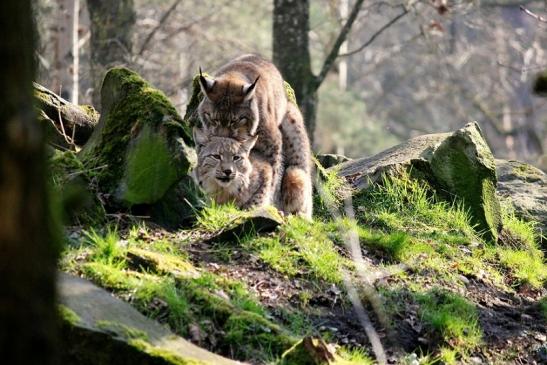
(296, 144)
(296, 192)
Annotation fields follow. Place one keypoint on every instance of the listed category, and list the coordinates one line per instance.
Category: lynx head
(223, 163)
(229, 107)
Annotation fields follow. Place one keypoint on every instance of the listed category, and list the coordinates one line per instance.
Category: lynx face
(229, 108)
(223, 163)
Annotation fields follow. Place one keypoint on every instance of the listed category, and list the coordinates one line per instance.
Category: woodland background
(406, 67)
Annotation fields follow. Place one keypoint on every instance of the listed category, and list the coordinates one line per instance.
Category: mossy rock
(141, 147)
(456, 165)
(98, 328)
(525, 187)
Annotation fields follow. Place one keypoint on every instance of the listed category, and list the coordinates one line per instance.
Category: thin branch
(378, 32)
(333, 54)
(157, 27)
(537, 17)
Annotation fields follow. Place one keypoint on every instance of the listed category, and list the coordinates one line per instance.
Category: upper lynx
(246, 97)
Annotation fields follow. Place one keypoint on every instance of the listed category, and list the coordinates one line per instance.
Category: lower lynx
(229, 171)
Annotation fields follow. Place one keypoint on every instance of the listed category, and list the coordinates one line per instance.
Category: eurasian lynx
(247, 98)
(229, 171)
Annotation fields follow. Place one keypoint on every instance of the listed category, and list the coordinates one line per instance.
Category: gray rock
(525, 186)
(457, 164)
(101, 329)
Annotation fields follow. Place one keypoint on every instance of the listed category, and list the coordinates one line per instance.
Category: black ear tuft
(205, 83)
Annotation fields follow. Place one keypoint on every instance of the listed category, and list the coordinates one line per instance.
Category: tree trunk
(27, 231)
(292, 56)
(111, 31)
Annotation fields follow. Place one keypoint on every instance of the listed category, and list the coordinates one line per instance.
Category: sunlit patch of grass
(525, 232)
(354, 356)
(106, 248)
(452, 317)
(526, 266)
(216, 217)
(332, 188)
(408, 205)
(301, 248)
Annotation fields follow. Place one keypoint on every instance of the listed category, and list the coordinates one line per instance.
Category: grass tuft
(451, 317)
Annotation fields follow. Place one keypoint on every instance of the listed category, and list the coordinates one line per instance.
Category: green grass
(408, 205)
(301, 248)
(216, 217)
(106, 248)
(526, 266)
(452, 318)
(170, 288)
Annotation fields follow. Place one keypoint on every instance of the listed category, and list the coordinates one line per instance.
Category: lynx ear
(249, 89)
(206, 83)
(249, 143)
(200, 136)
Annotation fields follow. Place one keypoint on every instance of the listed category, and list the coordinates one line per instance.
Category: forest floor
(441, 294)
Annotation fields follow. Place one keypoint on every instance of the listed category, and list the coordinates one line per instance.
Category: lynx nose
(228, 172)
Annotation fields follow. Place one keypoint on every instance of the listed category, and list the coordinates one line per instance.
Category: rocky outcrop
(141, 150)
(526, 188)
(458, 164)
(101, 329)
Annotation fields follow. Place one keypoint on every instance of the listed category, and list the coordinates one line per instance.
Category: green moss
(191, 116)
(291, 96)
(452, 317)
(150, 171)
(470, 174)
(68, 315)
(130, 105)
(166, 355)
(122, 330)
(163, 263)
(72, 181)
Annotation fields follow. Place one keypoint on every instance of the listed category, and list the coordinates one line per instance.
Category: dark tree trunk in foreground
(27, 253)
(291, 24)
(292, 56)
(111, 31)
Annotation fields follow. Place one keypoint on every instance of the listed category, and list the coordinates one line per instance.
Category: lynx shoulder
(228, 171)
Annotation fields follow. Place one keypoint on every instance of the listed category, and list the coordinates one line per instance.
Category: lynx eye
(216, 157)
(242, 120)
(237, 158)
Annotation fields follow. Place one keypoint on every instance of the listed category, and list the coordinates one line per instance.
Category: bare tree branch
(157, 27)
(333, 54)
(539, 18)
(378, 32)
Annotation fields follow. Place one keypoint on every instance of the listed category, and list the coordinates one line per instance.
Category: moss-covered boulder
(525, 187)
(141, 149)
(457, 165)
(101, 329)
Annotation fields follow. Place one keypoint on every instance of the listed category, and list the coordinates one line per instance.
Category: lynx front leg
(261, 193)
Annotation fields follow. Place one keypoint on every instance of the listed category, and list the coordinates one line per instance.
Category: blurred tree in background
(403, 68)
(27, 233)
